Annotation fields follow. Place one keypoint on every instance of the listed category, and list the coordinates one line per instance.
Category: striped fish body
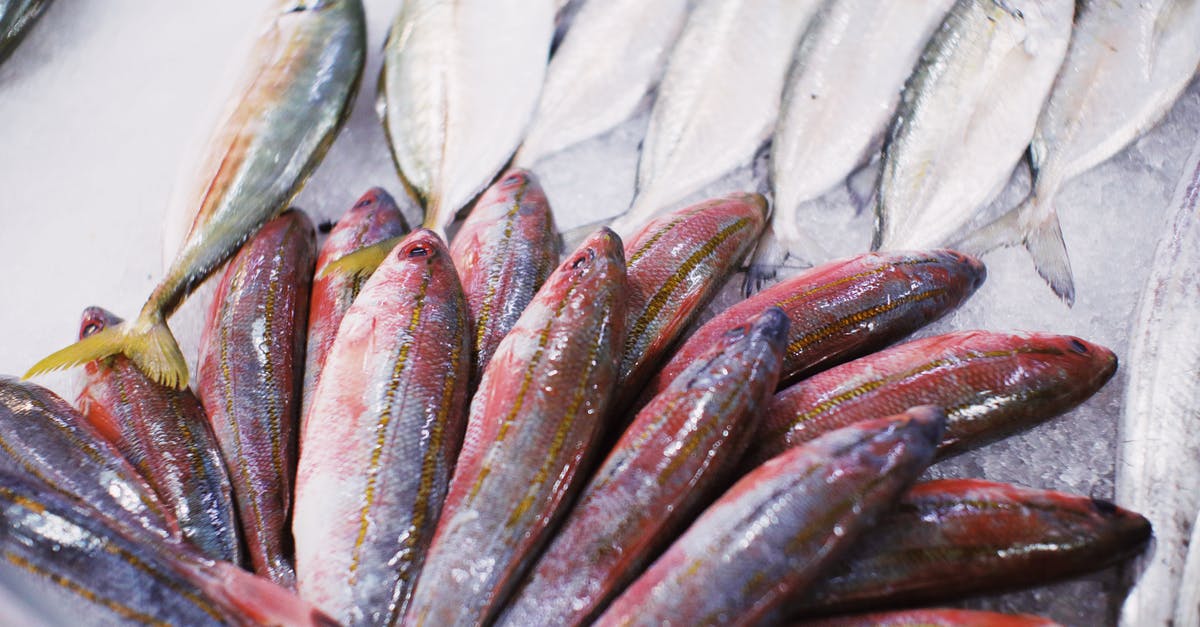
(952, 538)
(251, 353)
(1159, 455)
(991, 384)
(374, 218)
(504, 251)
(933, 618)
(533, 422)
(678, 449)
(776, 529)
(164, 433)
(676, 264)
(16, 16)
(385, 429)
(81, 563)
(845, 308)
(43, 437)
(459, 84)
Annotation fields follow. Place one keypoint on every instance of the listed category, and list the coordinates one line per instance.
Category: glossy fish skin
(533, 422)
(612, 55)
(504, 252)
(251, 355)
(1159, 453)
(677, 451)
(992, 384)
(304, 75)
(676, 264)
(955, 537)
(718, 99)
(43, 437)
(933, 618)
(385, 430)
(459, 84)
(767, 538)
(966, 117)
(374, 218)
(164, 433)
(846, 308)
(90, 568)
(16, 17)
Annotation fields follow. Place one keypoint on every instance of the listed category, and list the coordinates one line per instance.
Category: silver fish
(16, 16)
(1128, 63)
(1159, 456)
(612, 55)
(460, 82)
(718, 100)
(967, 116)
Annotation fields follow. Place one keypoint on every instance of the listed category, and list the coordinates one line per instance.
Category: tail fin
(1034, 225)
(773, 254)
(147, 341)
(361, 262)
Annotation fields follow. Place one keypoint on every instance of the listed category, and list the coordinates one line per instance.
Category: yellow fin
(102, 344)
(362, 261)
(149, 344)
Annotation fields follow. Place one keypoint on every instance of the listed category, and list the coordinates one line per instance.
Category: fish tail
(96, 346)
(147, 341)
(1034, 225)
(776, 252)
(361, 262)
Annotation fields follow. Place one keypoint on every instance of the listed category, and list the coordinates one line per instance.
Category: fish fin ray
(102, 344)
(361, 262)
(148, 343)
(1045, 244)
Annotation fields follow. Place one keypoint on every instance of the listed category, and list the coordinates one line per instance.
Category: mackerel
(460, 83)
(776, 529)
(306, 69)
(250, 380)
(1127, 65)
(532, 426)
(991, 384)
(610, 57)
(679, 449)
(966, 116)
(1159, 455)
(165, 434)
(385, 428)
(718, 99)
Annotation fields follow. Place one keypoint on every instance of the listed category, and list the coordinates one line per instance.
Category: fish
(16, 17)
(43, 437)
(680, 448)
(1127, 65)
(1159, 448)
(504, 251)
(373, 218)
(718, 99)
(956, 537)
(845, 308)
(530, 433)
(81, 563)
(306, 69)
(250, 380)
(385, 429)
(766, 539)
(966, 116)
(459, 85)
(841, 92)
(612, 55)
(165, 434)
(991, 384)
(933, 618)
(675, 266)
(1187, 608)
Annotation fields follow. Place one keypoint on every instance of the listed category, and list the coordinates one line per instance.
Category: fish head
(95, 320)
(972, 269)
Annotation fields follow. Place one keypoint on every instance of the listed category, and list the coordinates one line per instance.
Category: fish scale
(539, 410)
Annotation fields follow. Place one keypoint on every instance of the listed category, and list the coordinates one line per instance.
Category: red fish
(933, 618)
(846, 308)
(779, 527)
(991, 384)
(385, 428)
(678, 449)
(532, 427)
(165, 434)
(251, 353)
(504, 252)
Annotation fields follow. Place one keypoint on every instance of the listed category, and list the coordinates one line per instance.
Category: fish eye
(91, 329)
(1078, 347)
(583, 258)
(417, 251)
